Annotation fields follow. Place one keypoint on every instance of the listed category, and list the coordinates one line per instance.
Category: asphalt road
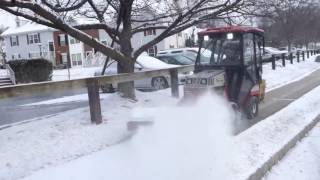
(12, 110)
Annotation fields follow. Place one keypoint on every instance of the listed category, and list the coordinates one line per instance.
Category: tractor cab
(233, 66)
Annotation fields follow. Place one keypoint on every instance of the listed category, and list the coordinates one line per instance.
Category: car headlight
(189, 81)
(204, 81)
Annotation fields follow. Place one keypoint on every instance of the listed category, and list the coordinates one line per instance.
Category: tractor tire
(252, 107)
(159, 83)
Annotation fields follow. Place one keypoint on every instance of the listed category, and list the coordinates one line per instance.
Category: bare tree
(121, 19)
(290, 21)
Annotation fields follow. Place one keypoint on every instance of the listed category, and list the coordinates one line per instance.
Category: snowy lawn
(75, 73)
(53, 140)
(3, 72)
(302, 162)
(183, 143)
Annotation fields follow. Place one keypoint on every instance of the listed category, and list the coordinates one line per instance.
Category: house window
(64, 58)
(62, 40)
(33, 38)
(74, 41)
(152, 51)
(14, 40)
(12, 57)
(150, 32)
(76, 59)
(34, 55)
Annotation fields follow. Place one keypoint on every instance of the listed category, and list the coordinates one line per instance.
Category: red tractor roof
(231, 29)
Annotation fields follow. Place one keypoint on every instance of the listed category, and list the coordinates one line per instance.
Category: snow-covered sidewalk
(302, 162)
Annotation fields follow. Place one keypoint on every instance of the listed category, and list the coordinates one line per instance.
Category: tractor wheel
(252, 107)
(159, 83)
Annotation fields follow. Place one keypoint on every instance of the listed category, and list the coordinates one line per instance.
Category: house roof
(26, 28)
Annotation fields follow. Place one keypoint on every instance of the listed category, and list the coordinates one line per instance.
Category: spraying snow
(183, 142)
(192, 142)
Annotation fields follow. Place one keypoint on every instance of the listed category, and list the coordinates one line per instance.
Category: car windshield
(223, 50)
(176, 59)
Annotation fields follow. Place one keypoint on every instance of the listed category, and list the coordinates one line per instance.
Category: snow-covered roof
(26, 28)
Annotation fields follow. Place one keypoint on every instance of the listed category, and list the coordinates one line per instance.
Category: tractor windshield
(224, 50)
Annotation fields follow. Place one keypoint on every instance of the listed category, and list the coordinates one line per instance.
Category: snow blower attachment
(229, 62)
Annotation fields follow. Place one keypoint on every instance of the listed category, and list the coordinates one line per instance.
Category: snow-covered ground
(52, 140)
(290, 73)
(302, 162)
(183, 142)
(3, 72)
(75, 73)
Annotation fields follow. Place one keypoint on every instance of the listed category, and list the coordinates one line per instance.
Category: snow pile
(288, 74)
(264, 139)
(3, 73)
(302, 162)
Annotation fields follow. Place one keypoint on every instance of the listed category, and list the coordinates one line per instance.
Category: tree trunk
(127, 88)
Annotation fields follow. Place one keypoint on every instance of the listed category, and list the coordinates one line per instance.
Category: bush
(31, 70)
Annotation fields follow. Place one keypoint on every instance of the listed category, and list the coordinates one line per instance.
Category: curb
(273, 160)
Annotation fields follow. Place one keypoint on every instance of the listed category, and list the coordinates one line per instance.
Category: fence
(93, 85)
(300, 55)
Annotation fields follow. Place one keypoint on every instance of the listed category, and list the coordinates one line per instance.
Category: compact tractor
(229, 62)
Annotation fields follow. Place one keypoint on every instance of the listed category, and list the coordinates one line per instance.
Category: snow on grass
(302, 162)
(191, 143)
(75, 73)
(57, 139)
(288, 74)
(3, 72)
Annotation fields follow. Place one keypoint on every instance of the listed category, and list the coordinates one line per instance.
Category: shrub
(31, 70)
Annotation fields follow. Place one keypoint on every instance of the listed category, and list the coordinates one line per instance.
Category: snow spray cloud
(185, 142)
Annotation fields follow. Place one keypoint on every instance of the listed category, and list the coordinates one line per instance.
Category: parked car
(187, 52)
(191, 53)
(143, 63)
(276, 52)
(177, 59)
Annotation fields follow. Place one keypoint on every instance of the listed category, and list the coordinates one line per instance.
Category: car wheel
(159, 83)
(107, 88)
(252, 107)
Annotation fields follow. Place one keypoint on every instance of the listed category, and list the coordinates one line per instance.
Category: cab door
(249, 68)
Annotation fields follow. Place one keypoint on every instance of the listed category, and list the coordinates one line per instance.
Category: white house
(28, 41)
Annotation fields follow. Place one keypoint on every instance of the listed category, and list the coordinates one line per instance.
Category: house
(29, 41)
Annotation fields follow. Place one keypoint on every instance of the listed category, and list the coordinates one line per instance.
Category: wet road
(12, 110)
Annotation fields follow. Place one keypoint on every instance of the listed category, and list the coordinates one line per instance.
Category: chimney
(18, 23)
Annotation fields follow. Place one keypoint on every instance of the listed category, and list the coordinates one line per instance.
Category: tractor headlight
(204, 81)
(189, 81)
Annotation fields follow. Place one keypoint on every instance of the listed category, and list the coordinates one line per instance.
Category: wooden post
(94, 100)
(311, 52)
(283, 60)
(298, 57)
(273, 62)
(174, 83)
(308, 54)
(303, 56)
(291, 58)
